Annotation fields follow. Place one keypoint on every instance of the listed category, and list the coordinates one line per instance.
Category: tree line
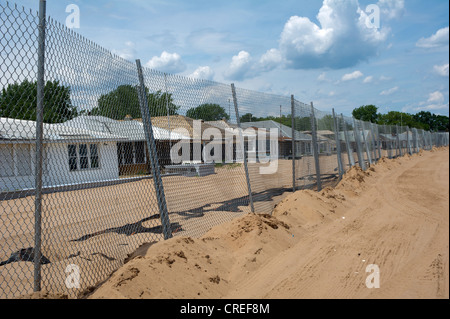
(421, 120)
(19, 101)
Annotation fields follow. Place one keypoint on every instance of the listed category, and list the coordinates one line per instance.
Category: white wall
(56, 167)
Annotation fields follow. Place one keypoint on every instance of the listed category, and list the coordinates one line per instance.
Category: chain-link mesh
(132, 155)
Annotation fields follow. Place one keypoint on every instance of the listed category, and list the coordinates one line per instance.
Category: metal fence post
(379, 140)
(294, 187)
(361, 160)
(389, 141)
(338, 145)
(399, 145)
(39, 146)
(315, 148)
(408, 141)
(374, 150)
(416, 143)
(351, 160)
(148, 129)
(241, 138)
(366, 145)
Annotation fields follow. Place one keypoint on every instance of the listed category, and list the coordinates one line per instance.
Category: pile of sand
(315, 244)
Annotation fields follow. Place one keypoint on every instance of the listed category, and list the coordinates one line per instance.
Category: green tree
(432, 122)
(208, 112)
(124, 100)
(326, 123)
(366, 113)
(248, 117)
(19, 101)
(399, 118)
(441, 123)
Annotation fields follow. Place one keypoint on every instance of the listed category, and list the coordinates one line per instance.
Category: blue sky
(320, 51)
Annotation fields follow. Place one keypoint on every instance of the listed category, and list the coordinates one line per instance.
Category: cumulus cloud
(390, 91)
(352, 76)
(270, 60)
(342, 38)
(442, 70)
(167, 62)
(240, 67)
(436, 97)
(439, 39)
(203, 72)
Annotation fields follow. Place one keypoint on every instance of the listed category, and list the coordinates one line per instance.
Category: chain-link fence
(99, 155)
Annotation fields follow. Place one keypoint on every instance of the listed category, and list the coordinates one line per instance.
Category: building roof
(22, 130)
(182, 123)
(285, 131)
(129, 129)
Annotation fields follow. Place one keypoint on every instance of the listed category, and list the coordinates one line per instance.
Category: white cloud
(203, 72)
(432, 107)
(385, 78)
(240, 66)
(352, 76)
(341, 39)
(390, 91)
(442, 70)
(368, 79)
(167, 62)
(391, 9)
(128, 52)
(322, 77)
(439, 39)
(436, 97)
(270, 60)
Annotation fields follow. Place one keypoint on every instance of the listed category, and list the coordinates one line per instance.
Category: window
(6, 161)
(131, 153)
(94, 156)
(73, 157)
(23, 158)
(16, 160)
(140, 152)
(83, 157)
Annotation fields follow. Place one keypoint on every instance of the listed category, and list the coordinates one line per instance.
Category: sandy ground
(315, 245)
(96, 229)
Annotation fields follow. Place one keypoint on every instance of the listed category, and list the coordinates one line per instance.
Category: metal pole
(39, 146)
(366, 145)
(351, 160)
(374, 147)
(148, 129)
(398, 141)
(389, 144)
(315, 147)
(338, 146)
(415, 140)
(294, 187)
(361, 160)
(167, 108)
(379, 140)
(408, 143)
(241, 138)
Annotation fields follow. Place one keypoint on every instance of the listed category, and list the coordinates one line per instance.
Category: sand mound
(315, 245)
